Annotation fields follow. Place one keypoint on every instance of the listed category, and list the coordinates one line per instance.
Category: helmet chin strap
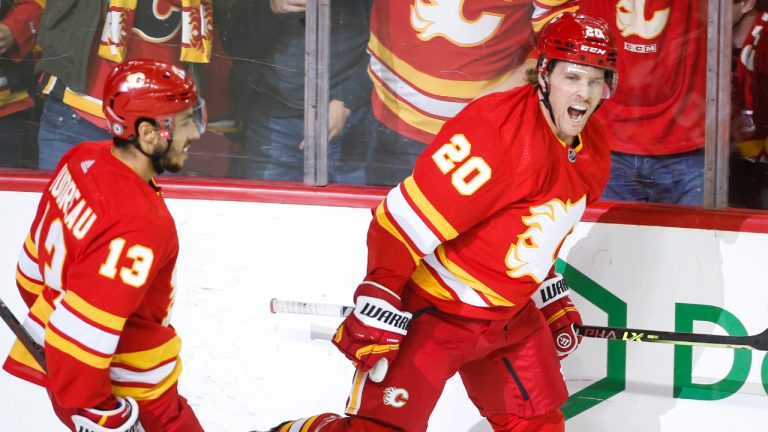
(544, 89)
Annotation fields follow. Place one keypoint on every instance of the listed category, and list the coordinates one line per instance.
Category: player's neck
(136, 161)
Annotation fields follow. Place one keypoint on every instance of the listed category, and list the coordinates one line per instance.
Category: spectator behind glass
(659, 111)
(428, 60)
(19, 21)
(73, 78)
(748, 185)
(274, 118)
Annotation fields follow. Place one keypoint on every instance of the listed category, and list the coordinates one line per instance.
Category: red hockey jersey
(479, 224)
(429, 59)
(97, 272)
(751, 90)
(660, 105)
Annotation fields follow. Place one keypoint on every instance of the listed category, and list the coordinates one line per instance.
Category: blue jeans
(393, 156)
(13, 129)
(673, 179)
(61, 128)
(271, 148)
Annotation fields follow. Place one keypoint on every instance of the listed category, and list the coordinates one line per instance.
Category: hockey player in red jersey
(97, 267)
(461, 252)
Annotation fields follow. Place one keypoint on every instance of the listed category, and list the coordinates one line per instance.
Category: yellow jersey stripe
(151, 358)
(467, 279)
(22, 355)
(443, 226)
(424, 279)
(406, 112)
(143, 393)
(93, 313)
(383, 220)
(28, 285)
(92, 106)
(428, 83)
(29, 243)
(53, 339)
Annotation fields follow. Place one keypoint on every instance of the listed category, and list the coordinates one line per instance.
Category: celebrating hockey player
(97, 267)
(460, 266)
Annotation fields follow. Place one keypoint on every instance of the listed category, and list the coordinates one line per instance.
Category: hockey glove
(124, 418)
(562, 316)
(374, 330)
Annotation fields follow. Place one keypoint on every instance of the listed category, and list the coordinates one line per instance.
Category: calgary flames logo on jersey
(395, 397)
(446, 18)
(537, 247)
(631, 19)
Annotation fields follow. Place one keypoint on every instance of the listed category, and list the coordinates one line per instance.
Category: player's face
(575, 91)
(184, 132)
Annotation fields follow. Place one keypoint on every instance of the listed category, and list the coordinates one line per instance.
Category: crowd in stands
(398, 70)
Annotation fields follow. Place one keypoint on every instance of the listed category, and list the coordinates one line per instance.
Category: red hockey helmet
(152, 89)
(579, 39)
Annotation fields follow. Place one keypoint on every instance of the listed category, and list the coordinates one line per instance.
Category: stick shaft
(755, 342)
(22, 334)
(309, 308)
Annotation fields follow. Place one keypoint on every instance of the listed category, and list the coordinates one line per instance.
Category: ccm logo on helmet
(593, 50)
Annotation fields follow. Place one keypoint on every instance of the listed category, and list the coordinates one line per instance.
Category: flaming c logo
(446, 19)
(395, 397)
(536, 248)
(630, 19)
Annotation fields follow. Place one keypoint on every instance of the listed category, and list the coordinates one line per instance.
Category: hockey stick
(755, 342)
(21, 333)
(376, 373)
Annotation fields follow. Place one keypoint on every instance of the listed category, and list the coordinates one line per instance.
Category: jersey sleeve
(104, 285)
(456, 183)
(545, 10)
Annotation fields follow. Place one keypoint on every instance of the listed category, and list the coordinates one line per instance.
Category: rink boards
(637, 266)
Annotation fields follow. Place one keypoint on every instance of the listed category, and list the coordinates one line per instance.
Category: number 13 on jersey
(468, 173)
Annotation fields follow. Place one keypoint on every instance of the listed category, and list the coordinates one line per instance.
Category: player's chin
(176, 165)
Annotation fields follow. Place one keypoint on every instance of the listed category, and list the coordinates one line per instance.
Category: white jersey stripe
(465, 293)
(430, 105)
(415, 228)
(86, 334)
(35, 330)
(28, 267)
(152, 376)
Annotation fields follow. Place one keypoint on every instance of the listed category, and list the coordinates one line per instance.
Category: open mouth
(577, 112)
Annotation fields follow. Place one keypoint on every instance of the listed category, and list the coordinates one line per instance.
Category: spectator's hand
(337, 119)
(7, 41)
(287, 6)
